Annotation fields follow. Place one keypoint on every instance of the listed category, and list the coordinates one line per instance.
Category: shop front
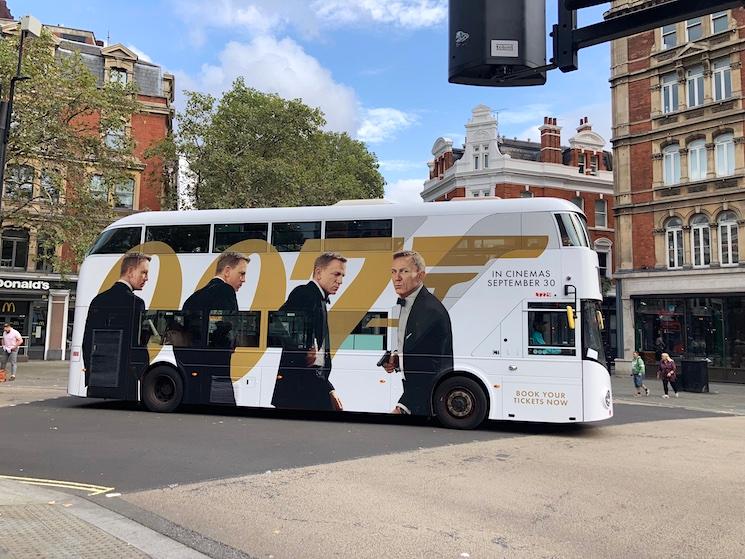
(40, 311)
(694, 326)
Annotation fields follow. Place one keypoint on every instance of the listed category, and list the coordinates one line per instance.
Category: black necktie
(401, 301)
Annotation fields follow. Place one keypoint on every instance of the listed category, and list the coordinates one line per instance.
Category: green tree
(252, 149)
(67, 130)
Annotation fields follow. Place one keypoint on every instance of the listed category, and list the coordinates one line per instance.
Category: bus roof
(347, 211)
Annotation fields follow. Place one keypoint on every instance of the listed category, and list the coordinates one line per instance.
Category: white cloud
(405, 13)
(141, 55)
(382, 124)
(282, 67)
(400, 165)
(405, 190)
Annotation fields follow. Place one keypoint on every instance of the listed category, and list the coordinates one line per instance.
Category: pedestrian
(637, 371)
(12, 340)
(667, 373)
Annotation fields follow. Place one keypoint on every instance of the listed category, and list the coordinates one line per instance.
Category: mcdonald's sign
(8, 307)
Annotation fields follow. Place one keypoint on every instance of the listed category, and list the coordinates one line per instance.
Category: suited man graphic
(305, 365)
(218, 297)
(113, 321)
(425, 335)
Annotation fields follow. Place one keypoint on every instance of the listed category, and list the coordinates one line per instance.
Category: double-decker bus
(503, 318)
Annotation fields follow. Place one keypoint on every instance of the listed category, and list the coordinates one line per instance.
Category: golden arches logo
(9, 306)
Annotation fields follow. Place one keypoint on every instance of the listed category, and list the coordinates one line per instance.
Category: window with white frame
(476, 162)
(118, 75)
(98, 188)
(728, 241)
(700, 241)
(579, 202)
(671, 165)
(695, 86)
(581, 163)
(694, 29)
(486, 161)
(594, 164)
(669, 92)
(19, 181)
(669, 36)
(601, 213)
(602, 247)
(724, 155)
(722, 78)
(114, 138)
(719, 22)
(697, 160)
(674, 234)
(124, 193)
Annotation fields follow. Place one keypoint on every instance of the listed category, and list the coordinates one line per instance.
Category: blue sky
(377, 68)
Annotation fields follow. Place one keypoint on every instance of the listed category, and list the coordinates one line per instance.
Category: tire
(460, 403)
(162, 390)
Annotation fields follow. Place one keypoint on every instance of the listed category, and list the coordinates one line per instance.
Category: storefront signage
(9, 307)
(24, 284)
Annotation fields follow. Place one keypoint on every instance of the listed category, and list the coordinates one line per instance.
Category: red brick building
(679, 131)
(491, 165)
(38, 301)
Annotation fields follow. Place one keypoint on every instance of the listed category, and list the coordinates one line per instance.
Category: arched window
(674, 233)
(728, 241)
(19, 181)
(724, 155)
(697, 167)
(603, 248)
(700, 241)
(14, 249)
(671, 165)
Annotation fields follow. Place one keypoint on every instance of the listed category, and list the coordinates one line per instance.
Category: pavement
(40, 521)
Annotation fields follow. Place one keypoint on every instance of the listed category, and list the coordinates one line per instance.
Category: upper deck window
(183, 239)
(228, 234)
(117, 241)
(340, 234)
(290, 237)
(572, 230)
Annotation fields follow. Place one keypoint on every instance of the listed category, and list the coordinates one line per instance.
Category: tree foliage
(252, 149)
(61, 119)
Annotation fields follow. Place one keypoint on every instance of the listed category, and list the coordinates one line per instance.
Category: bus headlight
(607, 399)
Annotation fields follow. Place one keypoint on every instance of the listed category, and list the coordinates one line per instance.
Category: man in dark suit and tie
(425, 336)
(305, 365)
(114, 352)
(217, 298)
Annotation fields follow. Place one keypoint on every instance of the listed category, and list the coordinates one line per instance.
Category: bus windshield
(592, 341)
(572, 230)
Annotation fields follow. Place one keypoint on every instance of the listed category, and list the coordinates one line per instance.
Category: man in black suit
(305, 365)
(217, 298)
(113, 359)
(425, 335)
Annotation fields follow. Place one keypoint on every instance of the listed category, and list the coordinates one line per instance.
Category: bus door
(545, 384)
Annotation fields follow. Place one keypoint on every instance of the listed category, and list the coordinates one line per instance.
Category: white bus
(512, 331)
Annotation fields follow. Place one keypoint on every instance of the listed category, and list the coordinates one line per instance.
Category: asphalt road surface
(118, 445)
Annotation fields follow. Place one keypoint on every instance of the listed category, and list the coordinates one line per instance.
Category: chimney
(584, 124)
(550, 141)
(4, 10)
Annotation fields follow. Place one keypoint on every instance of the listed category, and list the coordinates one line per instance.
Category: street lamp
(29, 26)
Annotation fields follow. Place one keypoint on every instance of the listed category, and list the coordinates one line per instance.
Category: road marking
(87, 487)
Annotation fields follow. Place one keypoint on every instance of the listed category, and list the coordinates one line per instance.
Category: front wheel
(460, 403)
(162, 390)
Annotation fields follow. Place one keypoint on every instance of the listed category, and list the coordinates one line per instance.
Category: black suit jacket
(116, 309)
(299, 386)
(427, 351)
(215, 296)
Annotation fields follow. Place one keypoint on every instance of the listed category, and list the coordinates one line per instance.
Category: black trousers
(673, 383)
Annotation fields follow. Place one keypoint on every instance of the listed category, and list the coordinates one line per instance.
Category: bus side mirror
(601, 320)
(570, 317)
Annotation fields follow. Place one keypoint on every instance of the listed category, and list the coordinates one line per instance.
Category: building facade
(678, 141)
(489, 165)
(34, 298)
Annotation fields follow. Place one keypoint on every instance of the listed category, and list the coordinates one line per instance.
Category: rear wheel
(460, 403)
(162, 390)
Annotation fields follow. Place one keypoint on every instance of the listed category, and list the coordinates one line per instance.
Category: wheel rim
(164, 389)
(460, 403)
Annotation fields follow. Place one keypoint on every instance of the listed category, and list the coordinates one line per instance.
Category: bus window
(549, 333)
(289, 329)
(175, 328)
(228, 234)
(183, 239)
(369, 334)
(226, 330)
(290, 237)
(581, 223)
(117, 241)
(377, 232)
(592, 339)
(571, 231)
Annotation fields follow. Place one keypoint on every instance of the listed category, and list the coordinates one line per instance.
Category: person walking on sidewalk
(637, 371)
(12, 340)
(667, 373)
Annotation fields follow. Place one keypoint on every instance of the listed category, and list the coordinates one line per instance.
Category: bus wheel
(460, 403)
(162, 390)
